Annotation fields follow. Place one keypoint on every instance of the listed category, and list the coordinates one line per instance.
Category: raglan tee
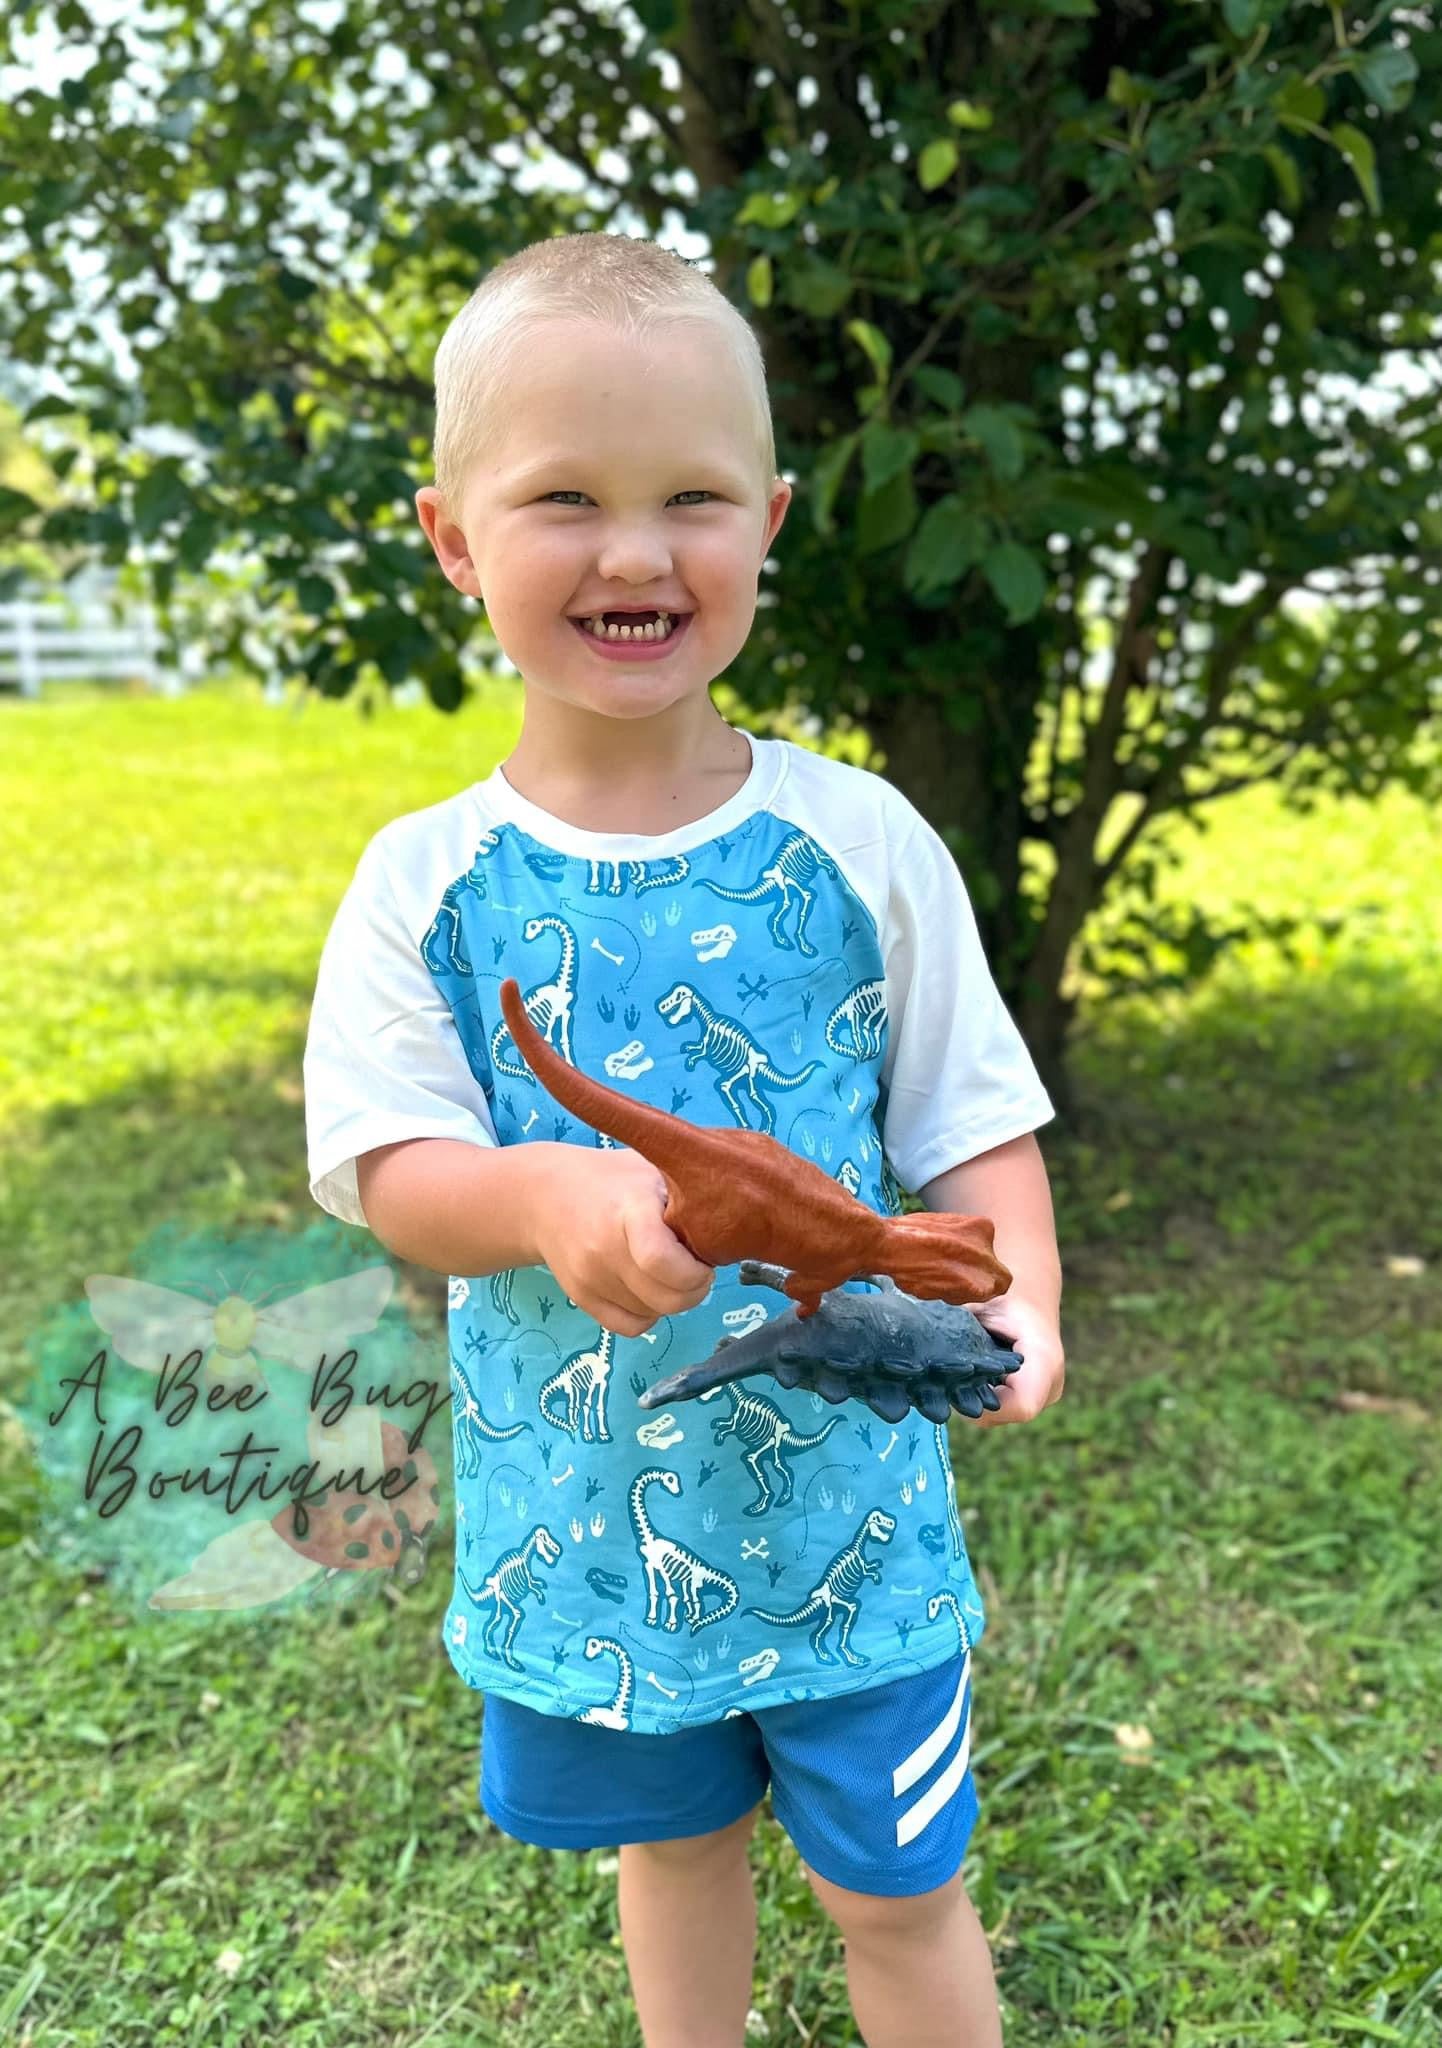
(803, 960)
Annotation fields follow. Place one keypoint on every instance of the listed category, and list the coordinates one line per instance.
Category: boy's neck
(632, 781)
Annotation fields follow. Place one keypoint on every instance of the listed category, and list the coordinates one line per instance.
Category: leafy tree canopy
(1066, 306)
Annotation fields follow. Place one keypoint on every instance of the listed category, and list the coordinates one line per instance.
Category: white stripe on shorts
(921, 1759)
(930, 1803)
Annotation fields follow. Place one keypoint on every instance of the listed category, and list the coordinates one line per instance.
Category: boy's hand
(598, 1226)
(1039, 1380)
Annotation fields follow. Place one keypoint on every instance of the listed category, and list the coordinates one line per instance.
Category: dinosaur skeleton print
(802, 961)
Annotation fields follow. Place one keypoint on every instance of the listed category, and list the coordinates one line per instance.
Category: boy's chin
(632, 697)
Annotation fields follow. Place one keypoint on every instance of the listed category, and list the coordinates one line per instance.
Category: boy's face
(625, 474)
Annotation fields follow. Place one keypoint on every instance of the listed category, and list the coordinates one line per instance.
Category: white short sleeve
(957, 1077)
(383, 1059)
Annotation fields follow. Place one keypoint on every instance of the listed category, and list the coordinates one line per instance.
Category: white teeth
(662, 630)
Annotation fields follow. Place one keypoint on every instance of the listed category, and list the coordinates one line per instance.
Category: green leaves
(315, 594)
(887, 506)
(1124, 90)
(1016, 576)
(161, 495)
(951, 537)
(826, 477)
(936, 163)
(876, 345)
(1387, 75)
(771, 209)
(1360, 154)
(886, 516)
(1243, 17)
(1289, 184)
(15, 506)
(815, 287)
(885, 452)
(1299, 105)
(944, 386)
(997, 429)
(200, 536)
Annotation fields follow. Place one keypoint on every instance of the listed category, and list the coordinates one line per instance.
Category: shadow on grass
(1286, 1123)
(84, 1184)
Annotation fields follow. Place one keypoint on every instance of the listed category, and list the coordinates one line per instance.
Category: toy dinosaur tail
(648, 1131)
(939, 1256)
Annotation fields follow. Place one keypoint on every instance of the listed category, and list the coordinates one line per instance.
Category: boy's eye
(581, 494)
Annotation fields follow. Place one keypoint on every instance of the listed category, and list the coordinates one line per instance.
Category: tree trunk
(969, 785)
(940, 770)
(1045, 1023)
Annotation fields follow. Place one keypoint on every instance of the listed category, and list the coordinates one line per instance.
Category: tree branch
(1149, 812)
(1103, 736)
(1165, 792)
(417, 389)
(562, 136)
(1068, 689)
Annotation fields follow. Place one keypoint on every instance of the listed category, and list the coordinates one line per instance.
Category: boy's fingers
(621, 1286)
(610, 1315)
(620, 1301)
(662, 1260)
(656, 1246)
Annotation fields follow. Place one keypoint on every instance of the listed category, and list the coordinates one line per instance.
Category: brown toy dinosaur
(733, 1194)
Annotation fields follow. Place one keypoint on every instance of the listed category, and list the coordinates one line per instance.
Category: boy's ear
(448, 541)
(775, 513)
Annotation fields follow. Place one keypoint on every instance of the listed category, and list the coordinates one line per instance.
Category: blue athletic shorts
(874, 1787)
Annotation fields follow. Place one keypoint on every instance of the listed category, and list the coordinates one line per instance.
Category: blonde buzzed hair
(635, 286)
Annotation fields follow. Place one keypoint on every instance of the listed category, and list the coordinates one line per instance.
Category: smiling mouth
(645, 629)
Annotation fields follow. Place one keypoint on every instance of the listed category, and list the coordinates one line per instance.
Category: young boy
(666, 1614)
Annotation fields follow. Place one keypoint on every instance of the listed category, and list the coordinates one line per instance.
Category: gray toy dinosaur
(891, 1351)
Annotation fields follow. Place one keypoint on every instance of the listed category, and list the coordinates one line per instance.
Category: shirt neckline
(509, 806)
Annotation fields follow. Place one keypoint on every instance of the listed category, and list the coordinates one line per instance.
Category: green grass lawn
(1202, 1540)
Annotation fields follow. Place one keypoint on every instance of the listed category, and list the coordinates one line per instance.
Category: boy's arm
(1009, 1184)
(453, 1207)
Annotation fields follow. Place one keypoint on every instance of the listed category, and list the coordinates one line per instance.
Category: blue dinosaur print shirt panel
(804, 961)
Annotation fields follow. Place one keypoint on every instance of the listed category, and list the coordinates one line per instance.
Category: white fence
(44, 641)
